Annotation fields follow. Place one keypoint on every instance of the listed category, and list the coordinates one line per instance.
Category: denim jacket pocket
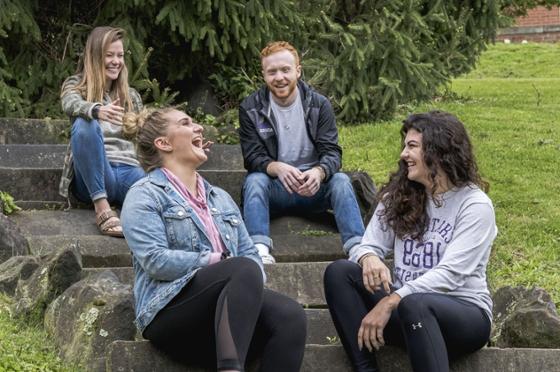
(231, 222)
(181, 230)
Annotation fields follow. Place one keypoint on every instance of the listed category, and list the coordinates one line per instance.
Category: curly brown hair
(446, 146)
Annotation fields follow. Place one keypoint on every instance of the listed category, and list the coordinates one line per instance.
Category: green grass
(511, 107)
(24, 347)
(519, 61)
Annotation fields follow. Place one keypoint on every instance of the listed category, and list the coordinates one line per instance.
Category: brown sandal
(105, 225)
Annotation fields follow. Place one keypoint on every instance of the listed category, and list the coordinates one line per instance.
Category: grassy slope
(510, 105)
(24, 347)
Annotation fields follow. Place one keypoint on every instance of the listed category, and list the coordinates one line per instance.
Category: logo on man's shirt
(265, 129)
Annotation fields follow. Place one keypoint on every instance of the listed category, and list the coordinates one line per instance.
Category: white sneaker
(264, 252)
(268, 259)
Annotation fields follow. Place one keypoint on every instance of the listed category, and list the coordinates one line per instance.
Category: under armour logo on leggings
(414, 326)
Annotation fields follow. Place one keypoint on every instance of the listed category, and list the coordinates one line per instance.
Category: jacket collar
(157, 177)
(263, 98)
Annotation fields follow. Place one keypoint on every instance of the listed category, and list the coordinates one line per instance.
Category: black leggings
(434, 328)
(223, 314)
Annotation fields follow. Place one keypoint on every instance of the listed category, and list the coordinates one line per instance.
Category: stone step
(39, 186)
(32, 156)
(81, 222)
(103, 251)
(295, 238)
(301, 281)
(51, 156)
(129, 356)
(33, 131)
(31, 172)
(42, 131)
(27, 184)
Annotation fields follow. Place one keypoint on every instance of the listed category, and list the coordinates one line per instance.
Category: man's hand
(370, 333)
(375, 274)
(290, 177)
(113, 113)
(313, 178)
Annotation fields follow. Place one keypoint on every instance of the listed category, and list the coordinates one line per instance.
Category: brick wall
(539, 17)
(540, 25)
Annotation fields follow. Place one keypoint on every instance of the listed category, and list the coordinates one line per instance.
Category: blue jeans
(263, 196)
(94, 176)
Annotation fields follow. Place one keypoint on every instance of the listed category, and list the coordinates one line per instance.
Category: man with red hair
(290, 149)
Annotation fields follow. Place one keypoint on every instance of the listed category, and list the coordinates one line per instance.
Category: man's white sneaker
(267, 259)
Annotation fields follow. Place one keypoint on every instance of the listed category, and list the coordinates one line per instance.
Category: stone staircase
(31, 154)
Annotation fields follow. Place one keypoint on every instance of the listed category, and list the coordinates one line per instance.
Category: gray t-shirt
(294, 146)
(453, 255)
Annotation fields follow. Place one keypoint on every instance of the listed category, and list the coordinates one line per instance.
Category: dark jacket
(257, 130)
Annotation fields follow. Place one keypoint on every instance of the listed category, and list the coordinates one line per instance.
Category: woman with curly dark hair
(439, 224)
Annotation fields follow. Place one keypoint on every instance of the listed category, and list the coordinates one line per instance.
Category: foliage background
(367, 56)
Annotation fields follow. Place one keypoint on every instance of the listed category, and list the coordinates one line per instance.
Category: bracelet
(361, 260)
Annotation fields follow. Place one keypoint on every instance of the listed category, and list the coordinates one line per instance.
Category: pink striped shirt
(201, 209)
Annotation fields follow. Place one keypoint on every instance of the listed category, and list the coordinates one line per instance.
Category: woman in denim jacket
(198, 278)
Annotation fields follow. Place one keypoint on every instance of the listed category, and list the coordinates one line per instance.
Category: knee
(340, 183)
(412, 305)
(248, 270)
(84, 129)
(256, 182)
(340, 178)
(337, 271)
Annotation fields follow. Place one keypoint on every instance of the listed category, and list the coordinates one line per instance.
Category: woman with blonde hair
(100, 164)
(198, 283)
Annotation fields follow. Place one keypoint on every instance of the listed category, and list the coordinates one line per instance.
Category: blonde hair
(92, 68)
(144, 127)
(277, 46)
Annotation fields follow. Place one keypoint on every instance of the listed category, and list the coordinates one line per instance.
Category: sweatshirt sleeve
(378, 238)
(470, 247)
(73, 104)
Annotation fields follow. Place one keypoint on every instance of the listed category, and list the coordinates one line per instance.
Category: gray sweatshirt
(453, 255)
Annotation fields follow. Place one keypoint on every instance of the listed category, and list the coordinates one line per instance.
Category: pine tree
(368, 56)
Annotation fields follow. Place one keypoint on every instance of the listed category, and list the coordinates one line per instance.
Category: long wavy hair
(92, 86)
(446, 146)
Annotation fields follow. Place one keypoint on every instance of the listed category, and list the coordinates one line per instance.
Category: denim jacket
(169, 243)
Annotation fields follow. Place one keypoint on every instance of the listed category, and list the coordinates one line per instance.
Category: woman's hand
(375, 274)
(113, 113)
(370, 333)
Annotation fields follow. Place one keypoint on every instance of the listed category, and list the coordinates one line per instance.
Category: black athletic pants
(224, 313)
(434, 328)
